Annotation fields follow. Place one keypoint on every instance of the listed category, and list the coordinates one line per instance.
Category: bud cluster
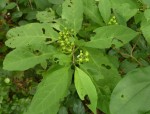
(64, 40)
(113, 21)
(83, 57)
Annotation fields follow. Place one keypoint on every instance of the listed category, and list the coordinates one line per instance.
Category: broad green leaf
(25, 58)
(72, 11)
(31, 34)
(105, 9)
(51, 92)
(131, 94)
(107, 36)
(126, 8)
(92, 12)
(85, 86)
(45, 16)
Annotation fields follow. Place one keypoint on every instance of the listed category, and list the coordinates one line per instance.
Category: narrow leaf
(84, 87)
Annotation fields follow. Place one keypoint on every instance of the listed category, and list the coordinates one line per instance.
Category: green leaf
(2, 4)
(107, 36)
(131, 94)
(45, 16)
(10, 5)
(147, 14)
(42, 4)
(92, 12)
(105, 9)
(146, 2)
(126, 8)
(56, 1)
(25, 58)
(103, 69)
(63, 110)
(83, 84)
(31, 34)
(72, 11)
(127, 66)
(51, 91)
(145, 27)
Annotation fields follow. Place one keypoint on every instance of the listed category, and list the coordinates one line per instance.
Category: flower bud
(7, 80)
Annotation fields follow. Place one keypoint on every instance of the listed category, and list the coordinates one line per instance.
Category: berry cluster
(66, 41)
(83, 57)
(113, 21)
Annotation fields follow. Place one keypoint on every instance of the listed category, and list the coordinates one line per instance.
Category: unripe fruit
(69, 50)
(86, 59)
(114, 21)
(63, 48)
(86, 53)
(65, 28)
(72, 44)
(114, 17)
(80, 60)
(62, 43)
(109, 23)
(7, 80)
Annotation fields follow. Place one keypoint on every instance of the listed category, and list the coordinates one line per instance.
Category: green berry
(67, 42)
(65, 36)
(86, 59)
(64, 48)
(65, 28)
(86, 53)
(7, 80)
(60, 33)
(111, 20)
(67, 32)
(70, 50)
(80, 60)
(66, 39)
(62, 43)
(109, 23)
(113, 17)
(114, 21)
(72, 44)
